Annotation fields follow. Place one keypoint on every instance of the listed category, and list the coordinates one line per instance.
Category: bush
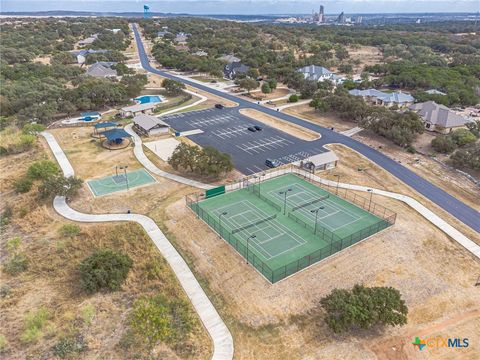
(33, 128)
(3, 342)
(34, 323)
(42, 170)
(443, 144)
(364, 308)
(68, 345)
(6, 217)
(16, 265)
(24, 143)
(293, 98)
(104, 270)
(69, 230)
(23, 185)
(463, 137)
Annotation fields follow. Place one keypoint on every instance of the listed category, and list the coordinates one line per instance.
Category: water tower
(146, 11)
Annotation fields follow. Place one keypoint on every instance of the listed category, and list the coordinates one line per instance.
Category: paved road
(455, 207)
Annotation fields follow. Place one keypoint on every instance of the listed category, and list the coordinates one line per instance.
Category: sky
(247, 7)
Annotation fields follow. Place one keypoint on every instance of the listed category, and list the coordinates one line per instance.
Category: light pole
(124, 168)
(370, 202)
(284, 193)
(338, 181)
(248, 239)
(316, 217)
(220, 223)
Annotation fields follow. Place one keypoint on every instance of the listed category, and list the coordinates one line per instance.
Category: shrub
(3, 342)
(364, 308)
(88, 312)
(104, 270)
(443, 144)
(34, 323)
(293, 98)
(69, 230)
(25, 143)
(463, 137)
(6, 217)
(23, 185)
(16, 265)
(68, 345)
(13, 244)
(33, 128)
(42, 170)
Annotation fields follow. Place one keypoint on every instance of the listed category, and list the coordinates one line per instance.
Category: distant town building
(319, 17)
(377, 97)
(232, 70)
(341, 19)
(438, 117)
(319, 74)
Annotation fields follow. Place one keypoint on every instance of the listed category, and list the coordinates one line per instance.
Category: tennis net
(244, 227)
(311, 202)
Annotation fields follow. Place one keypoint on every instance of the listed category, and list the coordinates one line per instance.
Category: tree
(443, 144)
(104, 270)
(150, 318)
(364, 308)
(272, 83)
(293, 98)
(59, 186)
(266, 88)
(468, 157)
(462, 137)
(474, 128)
(248, 84)
(173, 87)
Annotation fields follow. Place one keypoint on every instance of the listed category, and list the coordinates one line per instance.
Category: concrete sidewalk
(150, 166)
(218, 331)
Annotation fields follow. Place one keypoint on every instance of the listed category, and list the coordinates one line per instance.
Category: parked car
(219, 106)
(272, 163)
(252, 129)
(258, 128)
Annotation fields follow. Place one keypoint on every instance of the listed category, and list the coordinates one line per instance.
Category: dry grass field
(308, 113)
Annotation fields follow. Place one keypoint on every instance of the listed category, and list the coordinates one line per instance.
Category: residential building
(88, 41)
(82, 55)
(147, 125)
(435, 92)
(232, 70)
(146, 108)
(319, 162)
(229, 59)
(200, 53)
(319, 73)
(101, 70)
(438, 117)
(377, 97)
(181, 38)
(163, 33)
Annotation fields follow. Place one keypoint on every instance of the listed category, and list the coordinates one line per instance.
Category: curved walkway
(145, 161)
(218, 331)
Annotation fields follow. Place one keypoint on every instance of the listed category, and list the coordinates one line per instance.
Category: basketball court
(119, 182)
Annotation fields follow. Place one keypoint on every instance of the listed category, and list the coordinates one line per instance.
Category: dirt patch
(45, 60)
(278, 92)
(285, 126)
(366, 56)
(308, 113)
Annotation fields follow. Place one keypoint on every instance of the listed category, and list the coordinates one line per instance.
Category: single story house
(181, 38)
(229, 59)
(231, 70)
(88, 41)
(101, 70)
(319, 162)
(163, 33)
(115, 31)
(134, 110)
(81, 55)
(200, 53)
(438, 117)
(149, 125)
(378, 97)
(319, 73)
(435, 92)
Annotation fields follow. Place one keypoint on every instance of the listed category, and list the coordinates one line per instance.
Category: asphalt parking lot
(226, 130)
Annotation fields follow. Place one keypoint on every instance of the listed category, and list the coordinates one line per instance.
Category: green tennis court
(286, 224)
(120, 182)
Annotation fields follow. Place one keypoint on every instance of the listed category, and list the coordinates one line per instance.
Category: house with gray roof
(133, 110)
(232, 70)
(435, 92)
(377, 97)
(101, 70)
(438, 117)
(319, 73)
(82, 55)
(229, 58)
(144, 124)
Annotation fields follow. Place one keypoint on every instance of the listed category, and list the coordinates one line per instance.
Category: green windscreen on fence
(215, 191)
